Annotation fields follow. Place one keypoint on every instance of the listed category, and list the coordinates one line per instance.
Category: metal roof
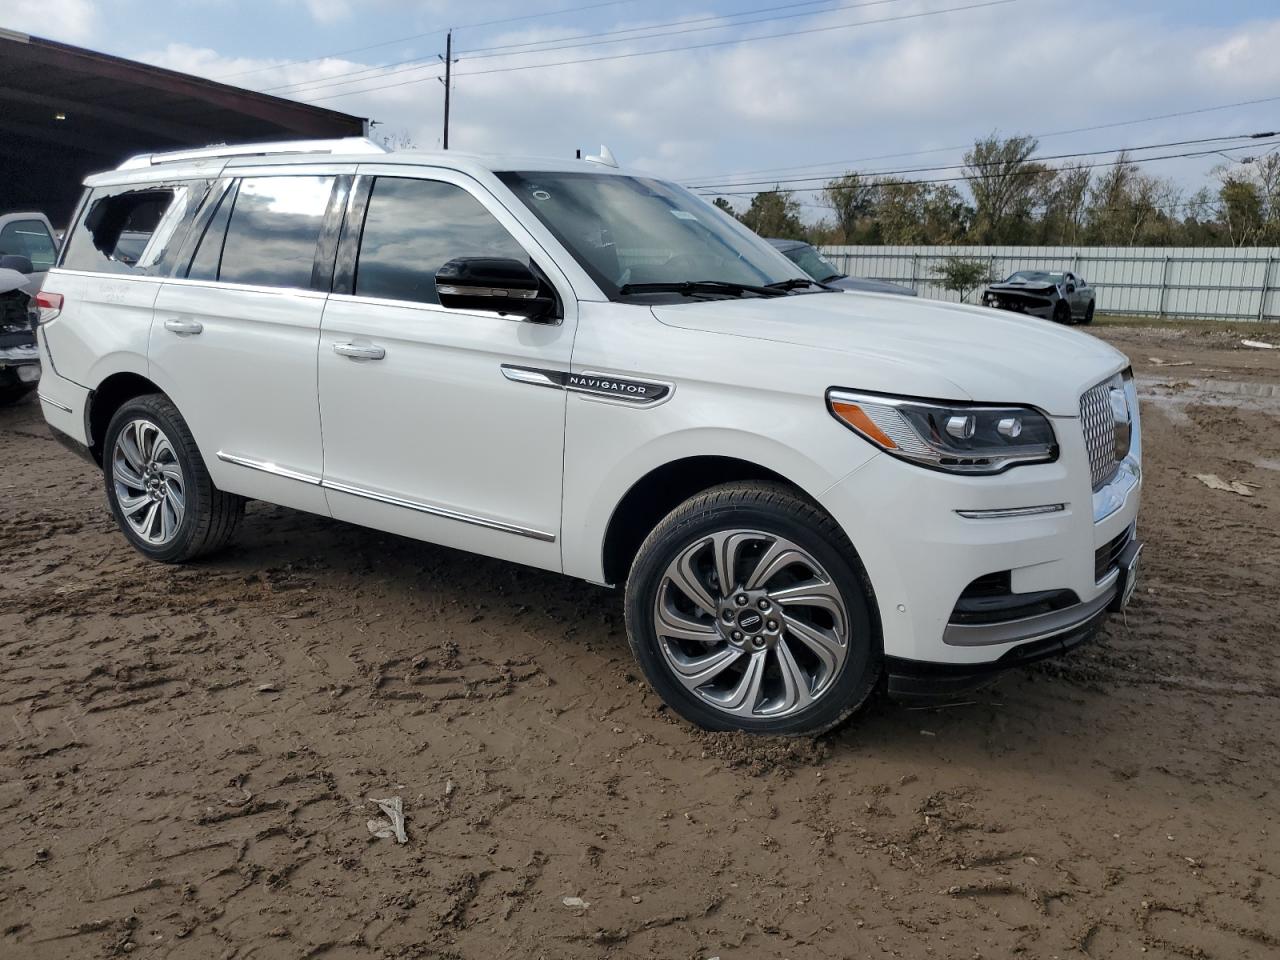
(66, 112)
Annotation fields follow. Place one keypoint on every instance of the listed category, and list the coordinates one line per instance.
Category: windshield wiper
(834, 276)
(692, 288)
(796, 283)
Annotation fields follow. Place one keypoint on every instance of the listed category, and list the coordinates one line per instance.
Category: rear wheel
(1062, 313)
(747, 611)
(1088, 315)
(159, 489)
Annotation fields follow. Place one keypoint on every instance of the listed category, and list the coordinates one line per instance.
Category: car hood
(916, 347)
(1038, 286)
(866, 285)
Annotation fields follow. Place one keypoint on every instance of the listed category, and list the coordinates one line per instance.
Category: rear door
(433, 426)
(234, 335)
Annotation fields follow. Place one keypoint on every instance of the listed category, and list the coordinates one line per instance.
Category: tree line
(1014, 199)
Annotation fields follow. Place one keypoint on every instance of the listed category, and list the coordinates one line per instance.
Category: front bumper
(925, 537)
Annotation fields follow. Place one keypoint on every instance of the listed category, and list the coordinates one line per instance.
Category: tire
(754, 522)
(1062, 313)
(158, 487)
(1088, 315)
(13, 392)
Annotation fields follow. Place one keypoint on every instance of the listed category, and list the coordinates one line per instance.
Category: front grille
(1099, 423)
(1105, 557)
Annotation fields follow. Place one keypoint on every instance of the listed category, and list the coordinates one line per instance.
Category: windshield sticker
(541, 195)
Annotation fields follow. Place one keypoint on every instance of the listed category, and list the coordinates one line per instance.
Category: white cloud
(837, 95)
(71, 21)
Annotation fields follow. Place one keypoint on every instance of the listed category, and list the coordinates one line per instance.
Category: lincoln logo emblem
(749, 621)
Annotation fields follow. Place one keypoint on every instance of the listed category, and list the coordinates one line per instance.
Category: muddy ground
(186, 754)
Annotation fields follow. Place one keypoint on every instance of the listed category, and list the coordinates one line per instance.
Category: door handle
(183, 328)
(359, 351)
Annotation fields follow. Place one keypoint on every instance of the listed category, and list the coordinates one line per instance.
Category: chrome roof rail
(281, 148)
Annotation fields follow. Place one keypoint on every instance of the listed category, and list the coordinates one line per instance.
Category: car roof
(211, 162)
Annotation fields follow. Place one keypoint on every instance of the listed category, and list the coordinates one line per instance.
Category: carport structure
(66, 112)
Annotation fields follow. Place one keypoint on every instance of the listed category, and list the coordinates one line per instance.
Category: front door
(425, 433)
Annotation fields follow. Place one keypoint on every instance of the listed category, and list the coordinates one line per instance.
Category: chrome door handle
(183, 328)
(359, 351)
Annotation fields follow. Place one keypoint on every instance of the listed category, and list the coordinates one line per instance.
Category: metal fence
(1214, 283)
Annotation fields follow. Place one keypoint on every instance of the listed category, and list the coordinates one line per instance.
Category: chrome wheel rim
(751, 624)
(148, 482)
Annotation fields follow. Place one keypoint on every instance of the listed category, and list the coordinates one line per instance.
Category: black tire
(210, 516)
(778, 510)
(1062, 313)
(1088, 315)
(11, 393)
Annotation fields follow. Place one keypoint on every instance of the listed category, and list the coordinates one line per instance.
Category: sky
(877, 85)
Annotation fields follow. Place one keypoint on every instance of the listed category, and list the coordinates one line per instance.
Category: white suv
(565, 365)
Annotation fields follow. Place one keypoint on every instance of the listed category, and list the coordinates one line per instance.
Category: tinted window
(413, 227)
(275, 223)
(116, 228)
(204, 265)
(30, 239)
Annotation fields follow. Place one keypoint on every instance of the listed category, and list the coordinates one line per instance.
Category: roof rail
(281, 148)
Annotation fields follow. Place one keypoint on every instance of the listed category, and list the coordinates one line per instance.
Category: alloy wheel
(148, 482)
(751, 623)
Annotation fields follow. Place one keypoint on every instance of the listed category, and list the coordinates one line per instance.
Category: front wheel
(1062, 313)
(158, 487)
(747, 610)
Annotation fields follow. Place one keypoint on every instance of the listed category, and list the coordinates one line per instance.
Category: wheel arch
(106, 399)
(663, 489)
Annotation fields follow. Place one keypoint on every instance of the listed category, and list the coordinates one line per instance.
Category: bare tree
(1007, 186)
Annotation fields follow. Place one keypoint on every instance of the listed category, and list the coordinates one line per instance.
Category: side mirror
(15, 261)
(492, 283)
(1071, 288)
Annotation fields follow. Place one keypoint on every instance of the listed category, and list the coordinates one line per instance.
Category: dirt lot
(186, 754)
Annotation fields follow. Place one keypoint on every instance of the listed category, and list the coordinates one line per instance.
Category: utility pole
(448, 79)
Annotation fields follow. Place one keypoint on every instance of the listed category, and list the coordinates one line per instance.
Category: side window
(273, 229)
(413, 227)
(118, 226)
(204, 264)
(30, 239)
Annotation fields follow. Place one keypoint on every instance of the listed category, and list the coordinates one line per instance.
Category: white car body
(452, 437)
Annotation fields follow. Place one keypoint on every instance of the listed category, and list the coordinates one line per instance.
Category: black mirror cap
(16, 261)
(495, 284)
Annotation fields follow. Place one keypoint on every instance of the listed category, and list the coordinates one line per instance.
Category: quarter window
(30, 239)
(413, 227)
(274, 226)
(117, 228)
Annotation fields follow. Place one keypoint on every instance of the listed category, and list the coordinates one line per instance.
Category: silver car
(1062, 297)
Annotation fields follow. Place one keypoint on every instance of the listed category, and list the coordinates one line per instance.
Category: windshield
(1035, 276)
(812, 262)
(632, 230)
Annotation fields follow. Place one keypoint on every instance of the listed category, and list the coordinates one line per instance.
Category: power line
(846, 164)
(827, 178)
(699, 46)
(570, 43)
(432, 33)
(1014, 173)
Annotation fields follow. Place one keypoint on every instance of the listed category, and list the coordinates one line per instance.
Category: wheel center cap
(750, 621)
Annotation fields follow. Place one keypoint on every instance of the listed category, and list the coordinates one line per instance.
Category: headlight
(955, 437)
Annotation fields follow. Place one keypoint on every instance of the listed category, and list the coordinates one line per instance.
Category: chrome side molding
(266, 466)
(436, 511)
(53, 403)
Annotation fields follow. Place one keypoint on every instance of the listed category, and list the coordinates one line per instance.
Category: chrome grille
(1098, 421)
